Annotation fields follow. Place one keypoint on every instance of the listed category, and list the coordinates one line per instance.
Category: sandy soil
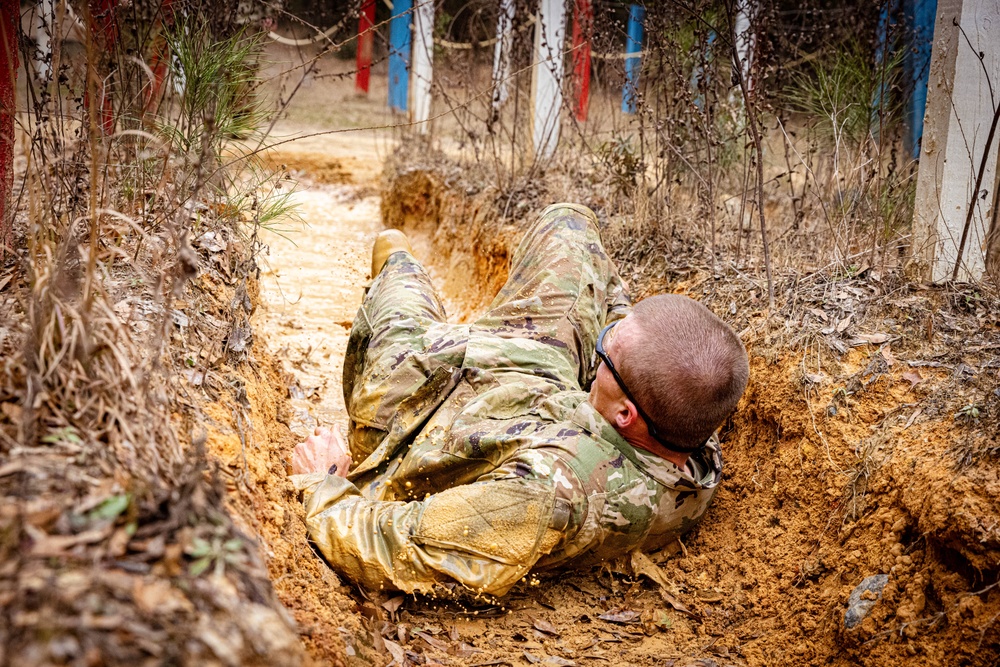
(824, 486)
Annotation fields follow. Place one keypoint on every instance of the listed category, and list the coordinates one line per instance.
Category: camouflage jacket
(479, 457)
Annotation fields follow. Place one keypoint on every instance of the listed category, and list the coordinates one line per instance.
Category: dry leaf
(12, 467)
(819, 314)
(13, 411)
(546, 627)
(874, 339)
(622, 616)
(887, 355)
(844, 323)
(559, 662)
(709, 596)
(642, 565)
(57, 545)
(531, 658)
(433, 641)
(392, 604)
(396, 651)
(913, 377)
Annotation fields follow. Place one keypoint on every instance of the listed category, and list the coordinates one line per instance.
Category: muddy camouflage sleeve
(485, 536)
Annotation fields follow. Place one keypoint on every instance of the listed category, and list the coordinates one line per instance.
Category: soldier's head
(680, 372)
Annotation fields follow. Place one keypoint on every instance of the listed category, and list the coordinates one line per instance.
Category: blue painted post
(883, 50)
(920, 17)
(633, 63)
(399, 54)
(698, 76)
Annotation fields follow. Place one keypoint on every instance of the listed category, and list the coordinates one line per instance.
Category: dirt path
(312, 285)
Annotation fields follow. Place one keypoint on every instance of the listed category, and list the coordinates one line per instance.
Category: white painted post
(501, 53)
(745, 37)
(43, 34)
(960, 111)
(546, 82)
(423, 63)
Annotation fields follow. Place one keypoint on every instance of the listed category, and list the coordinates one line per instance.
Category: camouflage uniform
(479, 457)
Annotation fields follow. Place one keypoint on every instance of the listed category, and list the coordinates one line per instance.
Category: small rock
(859, 604)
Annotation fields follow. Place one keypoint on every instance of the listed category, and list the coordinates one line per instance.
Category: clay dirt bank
(840, 466)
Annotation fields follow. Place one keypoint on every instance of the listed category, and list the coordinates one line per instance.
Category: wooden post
(9, 17)
(546, 82)
(103, 26)
(501, 54)
(633, 60)
(953, 209)
(159, 56)
(366, 38)
(400, 45)
(746, 39)
(883, 51)
(919, 17)
(43, 38)
(583, 32)
(698, 75)
(423, 63)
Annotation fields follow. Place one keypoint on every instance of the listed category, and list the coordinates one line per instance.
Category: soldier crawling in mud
(479, 454)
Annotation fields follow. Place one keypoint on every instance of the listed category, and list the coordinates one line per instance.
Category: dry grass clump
(115, 542)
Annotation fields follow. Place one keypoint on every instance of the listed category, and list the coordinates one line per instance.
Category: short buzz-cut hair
(686, 368)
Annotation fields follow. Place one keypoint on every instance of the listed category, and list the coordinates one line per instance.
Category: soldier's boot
(387, 243)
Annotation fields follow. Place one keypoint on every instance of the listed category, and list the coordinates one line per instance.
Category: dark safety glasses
(621, 383)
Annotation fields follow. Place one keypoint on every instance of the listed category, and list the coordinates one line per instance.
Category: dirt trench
(816, 497)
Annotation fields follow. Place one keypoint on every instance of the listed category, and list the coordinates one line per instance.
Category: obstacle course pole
(746, 39)
(583, 32)
(501, 53)
(546, 82)
(423, 63)
(399, 54)
(633, 60)
(9, 16)
(919, 14)
(953, 206)
(883, 49)
(366, 39)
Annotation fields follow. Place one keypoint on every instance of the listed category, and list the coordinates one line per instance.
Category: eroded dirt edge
(834, 473)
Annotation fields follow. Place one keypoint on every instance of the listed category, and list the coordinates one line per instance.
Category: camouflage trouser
(403, 358)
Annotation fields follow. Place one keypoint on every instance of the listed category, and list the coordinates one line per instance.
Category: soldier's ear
(627, 414)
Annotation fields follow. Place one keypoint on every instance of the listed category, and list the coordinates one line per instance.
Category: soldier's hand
(326, 451)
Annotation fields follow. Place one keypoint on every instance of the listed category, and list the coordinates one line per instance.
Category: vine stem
(758, 149)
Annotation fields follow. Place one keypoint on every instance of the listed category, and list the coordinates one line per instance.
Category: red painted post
(583, 31)
(9, 16)
(104, 28)
(159, 58)
(366, 38)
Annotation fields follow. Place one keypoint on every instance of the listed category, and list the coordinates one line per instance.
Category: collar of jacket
(661, 470)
